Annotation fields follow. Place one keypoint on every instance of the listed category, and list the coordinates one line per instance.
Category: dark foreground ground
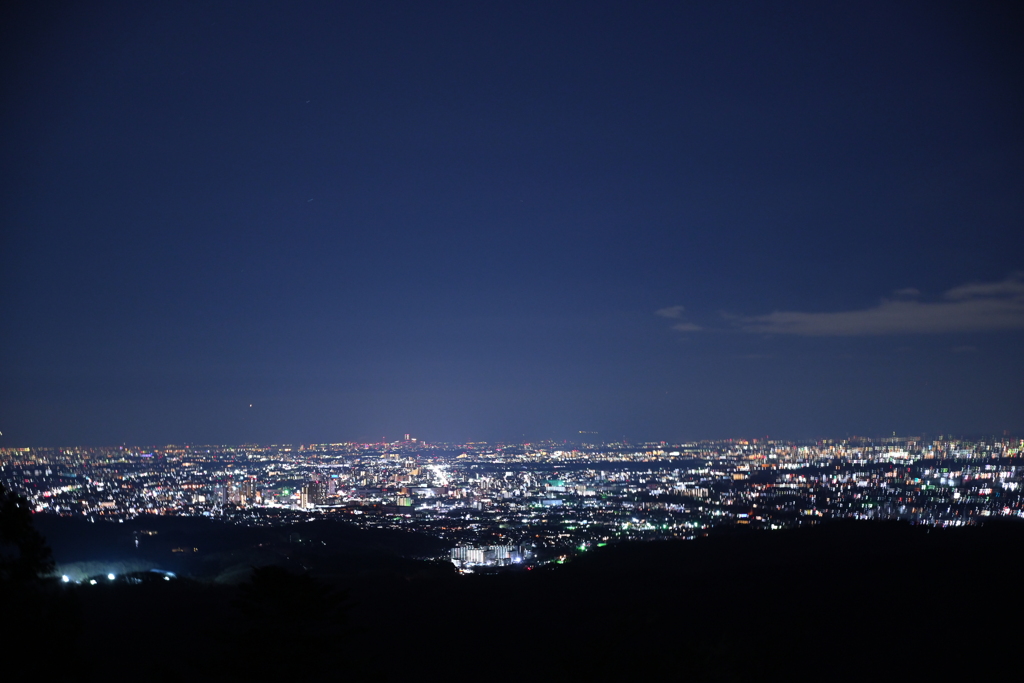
(841, 601)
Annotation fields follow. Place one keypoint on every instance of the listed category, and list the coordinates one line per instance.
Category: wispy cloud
(676, 313)
(976, 307)
(670, 312)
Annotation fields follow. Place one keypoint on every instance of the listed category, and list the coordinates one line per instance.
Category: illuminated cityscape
(504, 504)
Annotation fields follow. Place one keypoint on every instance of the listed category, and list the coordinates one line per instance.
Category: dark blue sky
(509, 220)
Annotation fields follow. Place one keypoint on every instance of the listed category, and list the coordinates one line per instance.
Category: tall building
(218, 494)
(248, 493)
(312, 494)
(233, 491)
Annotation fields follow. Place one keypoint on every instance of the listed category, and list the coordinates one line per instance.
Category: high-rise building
(248, 493)
(219, 495)
(234, 492)
(312, 494)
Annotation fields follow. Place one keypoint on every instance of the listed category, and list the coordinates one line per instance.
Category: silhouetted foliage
(24, 555)
(33, 608)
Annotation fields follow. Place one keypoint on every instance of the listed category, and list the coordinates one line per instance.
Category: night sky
(319, 222)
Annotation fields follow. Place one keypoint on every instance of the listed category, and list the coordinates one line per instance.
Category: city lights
(511, 504)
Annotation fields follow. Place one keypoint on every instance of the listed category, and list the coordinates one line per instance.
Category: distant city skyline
(594, 440)
(500, 506)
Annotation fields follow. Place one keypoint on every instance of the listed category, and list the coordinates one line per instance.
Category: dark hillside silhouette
(803, 604)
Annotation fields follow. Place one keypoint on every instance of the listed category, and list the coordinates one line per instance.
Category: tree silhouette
(24, 555)
(31, 605)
